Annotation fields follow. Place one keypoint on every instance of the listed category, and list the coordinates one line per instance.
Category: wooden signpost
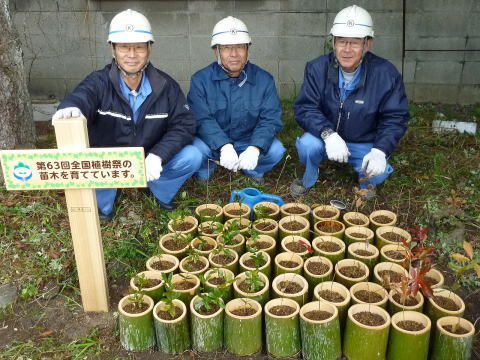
(79, 170)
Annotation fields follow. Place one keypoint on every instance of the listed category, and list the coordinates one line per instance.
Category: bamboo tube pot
(266, 268)
(341, 305)
(184, 265)
(363, 342)
(288, 256)
(407, 344)
(354, 218)
(198, 242)
(259, 225)
(355, 234)
(186, 295)
(339, 233)
(282, 333)
(209, 208)
(438, 276)
(374, 224)
(210, 229)
(232, 265)
(274, 212)
(387, 266)
(349, 281)
(181, 253)
(152, 263)
(206, 330)
(235, 206)
(381, 241)
(227, 287)
(317, 213)
(300, 297)
(172, 225)
(369, 286)
(271, 249)
(286, 210)
(136, 330)
(173, 336)
(243, 334)
(314, 279)
(384, 251)
(435, 312)
(300, 240)
(369, 260)
(261, 296)
(155, 292)
(334, 256)
(304, 231)
(448, 346)
(239, 247)
(243, 224)
(321, 339)
(395, 306)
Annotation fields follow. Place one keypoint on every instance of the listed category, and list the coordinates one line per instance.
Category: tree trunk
(17, 130)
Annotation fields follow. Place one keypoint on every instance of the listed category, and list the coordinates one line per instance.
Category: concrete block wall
(438, 51)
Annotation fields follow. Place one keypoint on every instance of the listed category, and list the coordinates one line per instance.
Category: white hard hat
(230, 31)
(353, 21)
(130, 26)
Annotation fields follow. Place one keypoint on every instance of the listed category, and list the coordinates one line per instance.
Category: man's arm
(308, 106)
(208, 128)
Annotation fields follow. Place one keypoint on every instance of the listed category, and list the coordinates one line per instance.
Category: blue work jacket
(376, 111)
(234, 109)
(165, 122)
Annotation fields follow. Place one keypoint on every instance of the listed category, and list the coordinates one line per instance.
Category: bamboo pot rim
(452, 320)
(369, 286)
(317, 305)
(333, 286)
(359, 229)
(342, 230)
(146, 299)
(299, 279)
(294, 238)
(203, 259)
(289, 256)
(197, 314)
(412, 316)
(354, 309)
(169, 236)
(149, 274)
(328, 208)
(242, 302)
(318, 259)
(451, 295)
(351, 262)
(360, 245)
(240, 277)
(167, 257)
(419, 297)
(281, 301)
(383, 212)
(294, 204)
(176, 302)
(231, 252)
(328, 238)
(355, 214)
(248, 255)
(186, 277)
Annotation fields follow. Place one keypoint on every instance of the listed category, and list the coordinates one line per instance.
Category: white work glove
(336, 148)
(153, 167)
(374, 163)
(229, 157)
(248, 159)
(67, 113)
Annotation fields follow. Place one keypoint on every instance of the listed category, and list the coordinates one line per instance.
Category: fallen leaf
(423, 177)
(54, 254)
(459, 257)
(358, 202)
(47, 333)
(468, 249)
(477, 269)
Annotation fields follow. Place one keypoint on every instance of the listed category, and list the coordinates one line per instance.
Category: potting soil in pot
(244, 311)
(368, 296)
(193, 266)
(293, 225)
(410, 325)
(208, 213)
(325, 213)
(174, 244)
(237, 212)
(260, 245)
(317, 315)
(183, 285)
(165, 314)
(430, 280)
(183, 226)
(223, 259)
(265, 226)
(245, 287)
(288, 264)
(353, 272)
(361, 252)
(391, 236)
(396, 255)
(445, 303)
(149, 283)
(328, 246)
(382, 219)
(135, 309)
(317, 268)
(289, 287)
(295, 210)
(407, 301)
(330, 295)
(296, 247)
(251, 263)
(162, 265)
(203, 246)
(390, 276)
(328, 227)
(458, 330)
(217, 281)
(213, 308)
(369, 318)
(356, 222)
(359, 235)
(282, 310)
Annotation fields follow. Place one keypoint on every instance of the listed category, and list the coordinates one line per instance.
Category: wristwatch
(326, 133)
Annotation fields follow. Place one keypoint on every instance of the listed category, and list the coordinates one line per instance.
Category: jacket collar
(333, 69)
(220, 74)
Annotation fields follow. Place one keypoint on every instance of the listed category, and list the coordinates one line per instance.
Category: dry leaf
(459, 257)
(358, 202)
(47, 333)
(423, 177)
(477, 269)
(468, 249)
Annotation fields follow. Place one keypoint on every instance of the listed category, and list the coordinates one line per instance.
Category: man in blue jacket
(237, 108)
(131, 103)
(352, 106)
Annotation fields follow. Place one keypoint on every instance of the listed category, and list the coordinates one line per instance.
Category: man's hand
(153, 167)
(248, 159)
(374, 163)
(336, 148)
(67, 113)
(229, 157)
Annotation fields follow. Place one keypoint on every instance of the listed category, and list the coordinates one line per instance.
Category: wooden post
(72, 134)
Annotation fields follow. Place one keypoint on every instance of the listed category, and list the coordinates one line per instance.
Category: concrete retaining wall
(435, 43)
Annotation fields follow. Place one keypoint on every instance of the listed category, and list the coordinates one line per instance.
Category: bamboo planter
(186, 295)
(206, 330)
(384, 253)
(258, 225)
(369, 260)
(230, 211)
(375, 224)
(227, 287)
(261, 296)
(211, 208)
(282, 333)
(243, 224)
(181, 253)
(341, 305)
(321, 339)
(314, 279)
(449, 346)
(136, 330)
(304, 231)
(369, 286)
(437, 276)
(271, 249)
(354, 234)
(334, 256)
(173, 224)
(381, 241)
(406, 344)
(349, 281)
(331, 223)
(361, 341)
(395, 306)
(153, 263)
(281, 269)
(274, 212)
(173, 336)
(210, 229)
(300, 297)
(325, 212)
(435, 312)
(232, 265)
(155, 292)
(385, 281)
(201, 242)
(299, 240)
(184, 265)
(288, 210)
(243, 334)
(354, 218)
(239, 247)
(265, 269)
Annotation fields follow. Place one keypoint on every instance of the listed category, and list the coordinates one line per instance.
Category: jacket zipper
(339, 116)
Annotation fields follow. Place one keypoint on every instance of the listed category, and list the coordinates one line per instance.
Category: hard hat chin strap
(219, 62)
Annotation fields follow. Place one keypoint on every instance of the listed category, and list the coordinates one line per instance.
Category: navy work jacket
(227, 112)
(376, 111)
(165, 123)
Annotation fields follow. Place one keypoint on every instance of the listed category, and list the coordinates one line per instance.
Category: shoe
(168, 207)
(368, 194)
(201, 181)
(106, 218)
(297, 189)
(257, 181)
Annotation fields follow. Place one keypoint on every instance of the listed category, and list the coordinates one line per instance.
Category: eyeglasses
(357, 44)
(137, 48)
(230, 48)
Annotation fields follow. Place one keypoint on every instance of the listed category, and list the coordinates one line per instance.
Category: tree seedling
(208, 299)
(254, 281)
